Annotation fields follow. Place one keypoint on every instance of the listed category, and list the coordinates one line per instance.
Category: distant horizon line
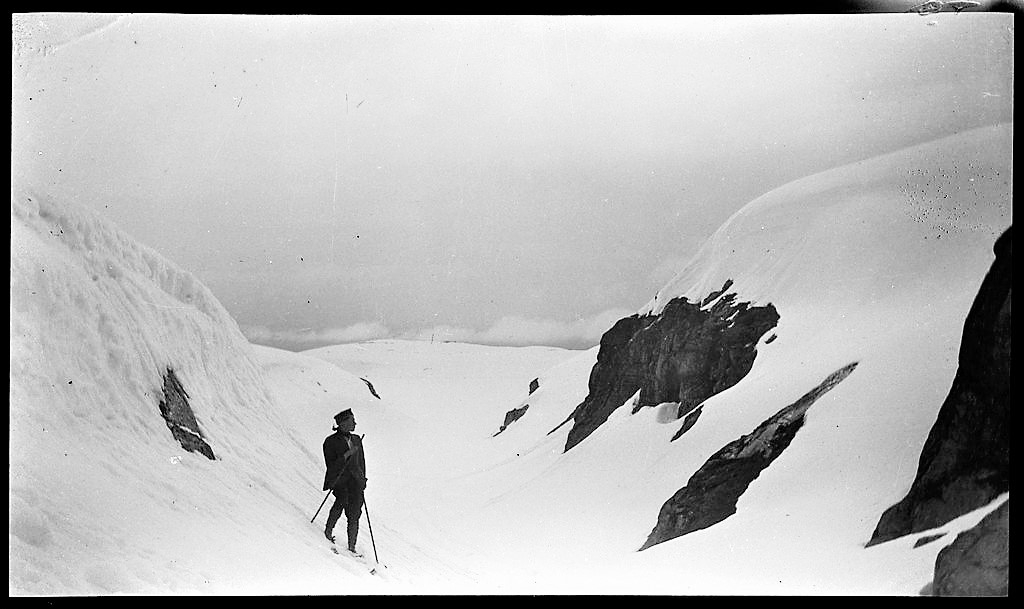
(294, 347)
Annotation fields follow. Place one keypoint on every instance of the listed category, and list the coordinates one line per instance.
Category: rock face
(977, 563)
(685, 354)
(177, 413)
(516, 413)
(965, 462)
(710, 495)
(511, 417)
(688, 422)
(927, 539)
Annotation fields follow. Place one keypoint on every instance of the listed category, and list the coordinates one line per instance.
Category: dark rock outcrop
(977, 563)
(711, 494)
(965, 462)
(685, 354)
(511, 417)
(369, 386)
(688, 422)
(927, 539)
(176, 412)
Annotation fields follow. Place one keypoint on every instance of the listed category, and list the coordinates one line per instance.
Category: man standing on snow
(346, 475)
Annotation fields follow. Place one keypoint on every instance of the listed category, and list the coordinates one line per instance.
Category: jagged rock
(685, 354)
(176, 412)
(369, 386)
(688, 422)
(511, 417)
(977, 563)
(636, 406)
(534, 385)
(965, 462)
(711, 494)
(927, 539)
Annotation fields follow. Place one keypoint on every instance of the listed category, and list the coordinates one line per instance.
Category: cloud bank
(512, 330)
(309, 338)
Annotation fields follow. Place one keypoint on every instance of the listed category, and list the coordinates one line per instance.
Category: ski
(356, 555)
(352, 553)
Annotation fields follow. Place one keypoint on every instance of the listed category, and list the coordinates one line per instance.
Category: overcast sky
(510, 180)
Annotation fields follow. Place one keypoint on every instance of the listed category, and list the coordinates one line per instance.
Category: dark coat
(346, 464)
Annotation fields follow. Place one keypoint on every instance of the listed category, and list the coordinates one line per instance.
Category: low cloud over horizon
(511, 331)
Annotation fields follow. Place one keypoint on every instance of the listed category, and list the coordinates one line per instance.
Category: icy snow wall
(103, 497)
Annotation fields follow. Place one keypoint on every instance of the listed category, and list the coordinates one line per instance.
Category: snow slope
(102, 498)
(428, 462)
(876, 262)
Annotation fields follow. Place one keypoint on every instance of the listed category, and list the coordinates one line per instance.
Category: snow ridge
(948, 188)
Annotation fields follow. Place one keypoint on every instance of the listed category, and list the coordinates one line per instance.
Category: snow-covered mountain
(781, 388)
(796, 366)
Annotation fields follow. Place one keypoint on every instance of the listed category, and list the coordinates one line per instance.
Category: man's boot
(353, 533)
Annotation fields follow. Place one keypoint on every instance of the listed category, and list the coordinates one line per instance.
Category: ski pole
(324, 501)
(372, 542)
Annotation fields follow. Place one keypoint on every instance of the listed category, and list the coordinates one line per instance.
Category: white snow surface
(103, 500)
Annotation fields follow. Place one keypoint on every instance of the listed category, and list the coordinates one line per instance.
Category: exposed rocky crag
(369, 386)
(927, 539)
(977, 563)
(686, 354)
(711, 494)
(516, 413)
(688, 422)
(965, 462)
(176, 412)
(511, 417)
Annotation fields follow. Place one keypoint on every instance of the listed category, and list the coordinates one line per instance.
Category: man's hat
(344, 414)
